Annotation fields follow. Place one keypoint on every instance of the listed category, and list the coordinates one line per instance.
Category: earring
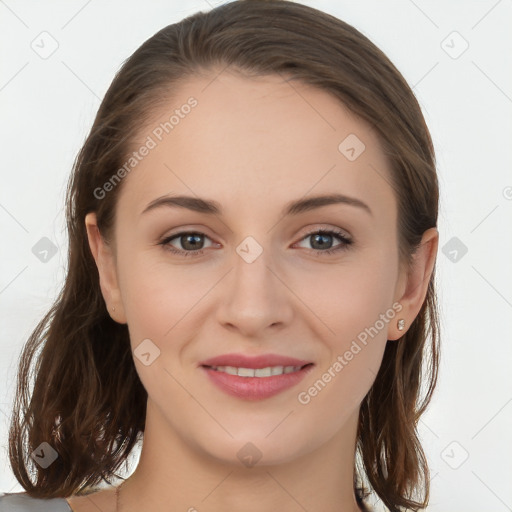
(113, 308)
(401, 324)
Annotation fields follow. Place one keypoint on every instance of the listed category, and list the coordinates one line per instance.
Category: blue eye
(193, 239)
(321, 235)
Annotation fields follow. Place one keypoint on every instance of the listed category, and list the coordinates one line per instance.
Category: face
(319, 283)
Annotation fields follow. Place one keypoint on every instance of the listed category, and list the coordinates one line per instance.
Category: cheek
(156, 300)
(157, 295)
(358, 318)
(151, 308)
(349, 297)
(354, 303)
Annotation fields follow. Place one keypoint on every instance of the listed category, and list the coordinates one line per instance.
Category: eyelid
(182, 230)
(325, 227)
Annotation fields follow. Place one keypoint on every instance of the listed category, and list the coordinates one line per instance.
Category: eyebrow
(296, 207)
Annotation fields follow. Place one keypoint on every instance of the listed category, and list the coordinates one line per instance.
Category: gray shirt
(22, 502)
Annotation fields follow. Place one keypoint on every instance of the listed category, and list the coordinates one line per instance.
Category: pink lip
(254, 388)
(254, 362)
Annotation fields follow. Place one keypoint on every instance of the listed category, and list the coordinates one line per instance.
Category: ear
(105, 261)
(413, 282)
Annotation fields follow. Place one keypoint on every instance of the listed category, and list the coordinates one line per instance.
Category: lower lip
(255, 388)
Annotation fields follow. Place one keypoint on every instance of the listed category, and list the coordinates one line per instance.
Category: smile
(255, 383)
(258, 372)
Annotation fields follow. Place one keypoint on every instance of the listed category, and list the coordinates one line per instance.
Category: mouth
(268, 371)
(255, 383)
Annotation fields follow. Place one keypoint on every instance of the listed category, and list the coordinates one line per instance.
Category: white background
(48, 107)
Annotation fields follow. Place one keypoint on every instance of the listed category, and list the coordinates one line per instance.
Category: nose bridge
(254, 299)
(252, 275)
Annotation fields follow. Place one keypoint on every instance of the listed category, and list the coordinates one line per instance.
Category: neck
(173, 471)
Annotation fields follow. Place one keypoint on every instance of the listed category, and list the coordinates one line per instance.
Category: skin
(253, 145)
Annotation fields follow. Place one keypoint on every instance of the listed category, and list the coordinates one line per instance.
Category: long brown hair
(88, 402)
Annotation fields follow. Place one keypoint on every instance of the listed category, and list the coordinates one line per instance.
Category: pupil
(188, 239)
(321, 236)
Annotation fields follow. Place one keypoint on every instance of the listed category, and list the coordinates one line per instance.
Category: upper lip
(255, 362)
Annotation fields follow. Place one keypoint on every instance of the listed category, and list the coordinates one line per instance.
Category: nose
(255, 297)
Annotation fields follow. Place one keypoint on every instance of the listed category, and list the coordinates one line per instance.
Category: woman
(250, 290)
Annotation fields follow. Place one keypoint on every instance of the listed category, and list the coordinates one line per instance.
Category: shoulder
(22, 502)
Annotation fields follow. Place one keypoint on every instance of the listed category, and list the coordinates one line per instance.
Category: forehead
(251, 142)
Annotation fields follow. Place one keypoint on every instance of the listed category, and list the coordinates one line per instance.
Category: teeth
(259, 372)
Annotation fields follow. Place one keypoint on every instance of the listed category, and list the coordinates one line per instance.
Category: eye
(191, 244)
(323, 240)
(188, 240)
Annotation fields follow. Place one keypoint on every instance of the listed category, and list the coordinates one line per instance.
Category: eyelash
(346, 242)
